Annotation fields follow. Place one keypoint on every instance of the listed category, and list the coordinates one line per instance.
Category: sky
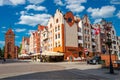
(23, 16)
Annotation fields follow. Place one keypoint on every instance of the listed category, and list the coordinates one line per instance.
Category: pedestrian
(4, 60)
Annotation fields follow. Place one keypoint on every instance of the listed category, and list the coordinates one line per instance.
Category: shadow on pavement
(70, 74)
(14, 61)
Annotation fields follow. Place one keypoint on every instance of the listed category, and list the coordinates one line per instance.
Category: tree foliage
(2, 52)
(20, 48)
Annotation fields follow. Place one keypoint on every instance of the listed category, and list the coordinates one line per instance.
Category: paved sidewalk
(59, 70)
(96, 70)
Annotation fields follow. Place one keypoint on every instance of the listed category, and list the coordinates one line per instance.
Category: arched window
(56, 20)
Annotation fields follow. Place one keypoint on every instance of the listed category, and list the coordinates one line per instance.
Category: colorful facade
(75, 37)
(63, 35)
(11, 51)
(25, 45)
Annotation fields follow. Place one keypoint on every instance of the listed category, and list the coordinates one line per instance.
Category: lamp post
(109, 43)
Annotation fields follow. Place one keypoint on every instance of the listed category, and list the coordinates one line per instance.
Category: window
(56, 20)
(88, 45)
(43, 35)
(56, 44)
(58, 35)
(80, 37)
(85, 38)
(50, 25)
(85, 31)
(69, 20)
(55, 36)
(88, 32)
(79, 45)
(88, 39)
(55, 29)
(79, 29)
(58, 27)
(114, 47)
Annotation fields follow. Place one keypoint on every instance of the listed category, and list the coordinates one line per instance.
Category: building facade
(63, 35)
(71, 35)
(25, 45)
(10, 45)
(87, 34)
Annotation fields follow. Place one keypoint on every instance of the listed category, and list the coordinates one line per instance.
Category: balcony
(93, 44)
(93, 37)
(80, 34)
(80, 41)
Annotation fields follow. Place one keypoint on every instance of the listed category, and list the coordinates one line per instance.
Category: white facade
(71, 38)
(31, 46)
(80, 33)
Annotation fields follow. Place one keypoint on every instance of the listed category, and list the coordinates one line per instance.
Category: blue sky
(24, 15)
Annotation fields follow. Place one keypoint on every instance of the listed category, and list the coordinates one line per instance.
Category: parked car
(94, 60)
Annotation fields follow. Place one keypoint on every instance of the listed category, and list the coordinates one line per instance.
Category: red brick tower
(9, 45)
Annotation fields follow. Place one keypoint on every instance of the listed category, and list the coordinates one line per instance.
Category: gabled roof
(9, 32)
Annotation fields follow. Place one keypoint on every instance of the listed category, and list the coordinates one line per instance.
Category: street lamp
(109, 43)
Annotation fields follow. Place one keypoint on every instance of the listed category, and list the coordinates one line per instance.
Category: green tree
(0, 52)
(20, 49)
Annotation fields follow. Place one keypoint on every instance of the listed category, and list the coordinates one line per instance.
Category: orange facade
(106, 58)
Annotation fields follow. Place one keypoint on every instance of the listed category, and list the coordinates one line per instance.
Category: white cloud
(103, 12)
(16, 2)
(16, 36)
(35, 19)
(30, 31)
(1, 2)
(36, 1)
(3, 31)
(23, 12)
(12, 2)
(118, 14)
(3, 27)
(58, 2)
(75, 5)
(36, 8)
(2, 43)
(97, 20)
(20, 30)
(115, 1)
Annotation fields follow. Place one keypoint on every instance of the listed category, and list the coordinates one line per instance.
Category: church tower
(9, 45)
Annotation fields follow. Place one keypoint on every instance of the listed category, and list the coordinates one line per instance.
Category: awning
(23, 55)
(35, 54)
(47, 53)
